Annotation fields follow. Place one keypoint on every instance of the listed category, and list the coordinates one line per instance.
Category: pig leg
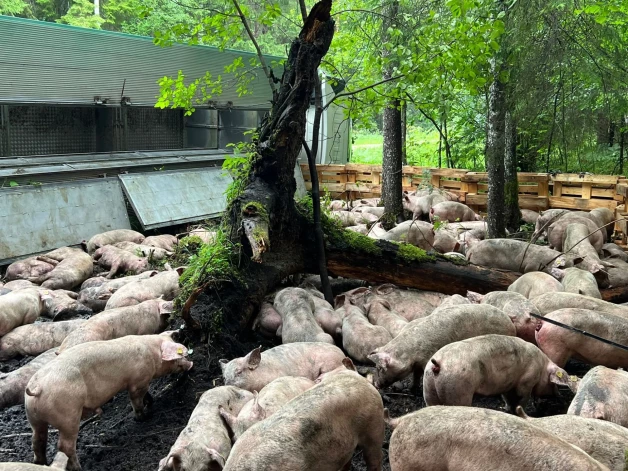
(115, 267)
(137, 395)
(372, 446)
(513, 398)
(40, 442)
(67, 444)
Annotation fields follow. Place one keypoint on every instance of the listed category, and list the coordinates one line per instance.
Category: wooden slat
(558, 189)
(576, 178)
(565, 202)
(570, 191)
(586, 190)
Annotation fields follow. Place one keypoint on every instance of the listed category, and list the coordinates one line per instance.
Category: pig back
(164, 284)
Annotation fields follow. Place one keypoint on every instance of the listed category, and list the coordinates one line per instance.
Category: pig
(119, 261)
(575, 241)
(85, 377)
(62, 304)
(328, 319)
(560, 344)
(516, 255)
(337, 205)
(60, 462)
(375, 210)
(204, 444)
(16, 285)
(256, 370)
(529, 217)
(297, 317)
(95, 297)
(617, 273)
(140, 250)
(550, 302)
(453, 211)
(514, 305)
(479, 440)
(269, 400)
(359, 336)
(417, 233)
(4, 291)
(164, 241)
(34, 339)
(360, 229)
(611, 250)
(72, 270)
(149, 317)
(546, 219)
(379, 312)
(13, 384)
(376, 231)
(268, 320)
(453, 300)
(31, 267)
(445, 242)
(488, 365)
(348, 218)
(601, 440)
(93, 282)
(164, 285)
(536, 283)
(410, 351)
(343, 409)
(602, 394)
(420, 206)
(578, 281)
(606, 216)
(410, 304)
(19, 308)
(112, 237)
(206, 236)
(556, 233)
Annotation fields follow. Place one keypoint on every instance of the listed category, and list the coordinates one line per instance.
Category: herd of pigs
(304, 405)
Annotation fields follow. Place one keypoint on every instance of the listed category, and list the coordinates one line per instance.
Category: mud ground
(117, 442)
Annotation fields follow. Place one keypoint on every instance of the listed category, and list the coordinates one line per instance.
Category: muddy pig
(268, 320)
(556, 232)
(31, 267)
(329, 320)
(445, 242)
(119, 261)
(164, 284)
(83, 378)
(551, 302)
(420, 206)
(417, 233)
(453, 300)
(60, 462)
(112, 237)
(140, 250)
(410, 304)
(359, 336)
(561, 344)
(410, 351)
(379, 312)
(546, 219)
(579, 281)
(12, 384)
(149, 317)
(536, 283)
(164, 241)
(453, 211)
(490, 365)
(348, 218)
(34, 339)
(601, 440)
(257, 369)
(96, 296)
(297, 317)
(573, 243)
(72, 270)
(606, 216)
(269, 400)
(602, 394)
(617, 272)
(204, 444)
(613, 251)
(343, 409)
(61, 304)
(479, 440)
(529, 217)
(360, 229)
(516, 255)
(19, 308)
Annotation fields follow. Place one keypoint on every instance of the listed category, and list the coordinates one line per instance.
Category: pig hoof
(148, 400)
(142, 416)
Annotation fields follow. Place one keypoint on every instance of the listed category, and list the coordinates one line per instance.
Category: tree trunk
(622, 142)
(404, 134)
(511, 187)
(495, 150)
(392, 165)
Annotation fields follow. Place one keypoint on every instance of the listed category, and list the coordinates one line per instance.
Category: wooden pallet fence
(584, 192)
(533, 190)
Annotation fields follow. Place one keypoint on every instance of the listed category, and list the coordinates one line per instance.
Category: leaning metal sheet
(36, 219)
(175, 197)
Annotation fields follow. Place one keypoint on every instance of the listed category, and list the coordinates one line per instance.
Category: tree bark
(404, 134)
(622, 142)
(511, 187)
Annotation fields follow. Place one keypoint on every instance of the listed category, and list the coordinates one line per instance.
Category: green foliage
(186, 248)
(175, 93)
(238, 166)
(14, 8)
(81, 13)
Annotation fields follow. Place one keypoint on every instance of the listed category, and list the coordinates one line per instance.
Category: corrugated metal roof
(53, 63)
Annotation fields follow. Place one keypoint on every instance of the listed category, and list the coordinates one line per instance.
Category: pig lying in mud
(257, 369)
(453, 211)
(536, 283)
(141, 250)
(34, 339)
(412, 349)
(268, 320)
(165, 242)
(573, 243)
(149, 317)
(269, 400)
(113, 237)
(603, 441)
(553, 301)
(62, 304)
(576, 280)
(297, 314)
(13, 384)
(19, 308)
(96, 291)
(556, 233)
(164, 284)
(359, 336)
(379, 312)
(343, 409)
(85, 377)
(74, 267)
(611, 251)
(602, 394)
(31, 267)
(479, 440)
(119, 261)
(417, 233)
(348, 218)
(204, 444)
(560, 344)
(490, 365)
(60, 462)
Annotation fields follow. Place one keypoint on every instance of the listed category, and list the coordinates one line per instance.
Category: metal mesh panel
(40, 130)
(153, 129)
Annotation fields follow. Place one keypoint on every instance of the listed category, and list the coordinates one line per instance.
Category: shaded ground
(116, 442)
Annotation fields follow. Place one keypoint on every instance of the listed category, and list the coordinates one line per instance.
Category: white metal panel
(167, 198)
(38, 219)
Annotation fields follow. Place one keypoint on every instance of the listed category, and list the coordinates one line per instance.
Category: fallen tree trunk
(615, 295)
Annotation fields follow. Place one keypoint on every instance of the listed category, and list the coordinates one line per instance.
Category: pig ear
(380, 359)
(223, 364)
(348, 364)
(216, 457)
(405, 197)
(475, 298)
(174, 462)
(165, 308)
(180, 270)
(257, 409)
(172, 351)
(560, 377)
(339, 300)
(253, 359)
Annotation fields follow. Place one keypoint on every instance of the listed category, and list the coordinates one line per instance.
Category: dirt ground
(116, 442)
